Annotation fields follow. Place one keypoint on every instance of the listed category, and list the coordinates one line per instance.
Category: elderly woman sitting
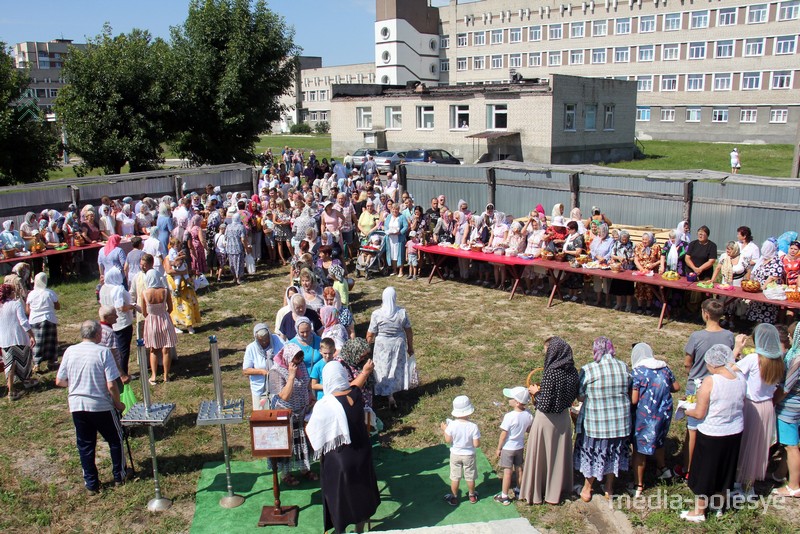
(647, 257)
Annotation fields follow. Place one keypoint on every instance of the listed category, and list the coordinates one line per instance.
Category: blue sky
(340, 31)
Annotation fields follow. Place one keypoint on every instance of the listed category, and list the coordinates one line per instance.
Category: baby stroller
(372, 255)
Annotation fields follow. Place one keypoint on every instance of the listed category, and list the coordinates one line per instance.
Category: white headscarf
(327, 428)
(642, 356)
(680, 235)
(768, 251)
(389, 305)
(153, 279)
(40, 281)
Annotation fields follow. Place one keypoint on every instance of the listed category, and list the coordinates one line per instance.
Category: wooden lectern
(271, 437)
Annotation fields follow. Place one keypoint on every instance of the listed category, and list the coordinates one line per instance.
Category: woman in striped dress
(16, 339)
(159, 332)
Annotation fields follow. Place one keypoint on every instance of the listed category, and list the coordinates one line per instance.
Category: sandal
(289, 480)
(311, 475)
(789, 492)
(152, 381)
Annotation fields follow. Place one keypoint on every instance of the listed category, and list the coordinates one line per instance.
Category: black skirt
(714, 462)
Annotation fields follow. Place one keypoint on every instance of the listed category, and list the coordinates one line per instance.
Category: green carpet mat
(412, 484)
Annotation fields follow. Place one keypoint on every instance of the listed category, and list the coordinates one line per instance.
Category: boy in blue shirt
(327, 349)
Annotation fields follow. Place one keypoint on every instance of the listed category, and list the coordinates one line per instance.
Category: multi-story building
(720, 70)
(43, 61)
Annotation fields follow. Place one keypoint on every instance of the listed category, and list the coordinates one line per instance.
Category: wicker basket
(751, 287)
(9, 253)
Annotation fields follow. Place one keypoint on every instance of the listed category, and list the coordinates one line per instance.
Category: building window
(598, 56)
(599, 28)
(496, 116)
(789, 10)
(554, 32)
(757, 14)
(459, 117)
(576, 57)
(646, 53)
(779, 116)
(569, 117)
(554, 58)
(534, 59)
(644, 83)
(622, 26)
(608, 117)
(699, 19)
(724, 49)
(727, 16)
(692, 114)
(461, 40)
(497, 62)
(669, 82)
(751, 81)
(478, 38)
(781, 79)
(54, 92)
(748, 115)
(303, 115)
(723, 81)
(695, 82)
(535, 33)
(590, 117)
(479, 62)
(667, 114)
(323, 115)
(622, 54)
(41, 93)
(719, 115)
(754, 47)
(312, 96)
(323, 95)
(444, 41)
(364, 118)
(497, 37)
(514, 61)
(785, 44)
(444, 65)
(642, 114)
(670, 52)
(314, 116)
(672, 22)
(647, 24)
(461, 63)
(697, 50)
(424, 117)
(515, 35)
(576, 30)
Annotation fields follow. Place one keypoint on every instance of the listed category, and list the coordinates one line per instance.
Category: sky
(340, 31)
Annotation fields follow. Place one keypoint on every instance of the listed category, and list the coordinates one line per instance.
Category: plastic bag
(785, 239)
(250, 264)
(775, 293)
(412, 376)
(200, 282)
(127, 397)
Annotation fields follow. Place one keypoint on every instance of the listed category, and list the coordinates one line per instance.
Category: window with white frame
(554, 32)
(622, 26)
(646, 53)
(622, 54)
(53, 93)
(599, 28)
(590, 117)
(459, 117)
(727, 16)
(667, 114)
(695, 82)
(723, 49)
(554, 58)
(364, 118)
(313, 116)
(461, 40)
(534, 59)
(644, 83)
(608, 117)
(312, 96)
(672, 22)
(444, 41)
(461, 63)
(576, 30)
(478, 38)
(642, 113)
(778, 116)
(394, 117)
(748, 115)
(723, 81)
(535, 33)
(497, 62)
(496, 37)
(514, 61)
(515, 35)
(576, 57)
(669, 82)
(754, 47)
(757, 14)
(698, 19)
(781, 79)
(670, 52)
(647, 24)
(693, 114)
(323, 95)
(785, 44)
(697, 50)
(424, 117)
(789, 10)
(598, 56)
(444, 65)
(569, 117)
(479, 63)
(751, 81)
(323, 115)
(496, 116)
(719, 115)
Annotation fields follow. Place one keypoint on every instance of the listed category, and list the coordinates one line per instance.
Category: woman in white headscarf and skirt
(390, 330)
(768, 269)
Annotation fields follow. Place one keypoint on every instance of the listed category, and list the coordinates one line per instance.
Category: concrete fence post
(574, 190)
(491, 185)
(688, 197)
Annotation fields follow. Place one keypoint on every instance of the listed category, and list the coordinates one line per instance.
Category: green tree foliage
(28, 144)
(232, 60)
(115, 101)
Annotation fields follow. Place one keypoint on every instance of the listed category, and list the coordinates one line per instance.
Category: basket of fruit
(615, 267)
(671, 275)
(751, 286)
(583, 258)
(547, 255)
(793, 295)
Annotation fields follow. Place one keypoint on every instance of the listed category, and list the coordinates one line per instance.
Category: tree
(28, 144)
(232, 60)
(115, 100)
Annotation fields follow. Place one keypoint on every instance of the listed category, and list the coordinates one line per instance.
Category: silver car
(361, 154)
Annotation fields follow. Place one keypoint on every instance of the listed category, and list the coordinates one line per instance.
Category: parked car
(361, 154)
(385, 159)
(436, 155)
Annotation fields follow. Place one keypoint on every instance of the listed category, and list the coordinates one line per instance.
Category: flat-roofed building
(43, 60)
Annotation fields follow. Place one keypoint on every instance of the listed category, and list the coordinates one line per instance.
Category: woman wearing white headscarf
(41, 306)
(768, 269)
(159, 332)
(106, 222)
(340, 440)
(10, 238)
(390, 330)
(126, 223)
(682, 233)
(236, 246)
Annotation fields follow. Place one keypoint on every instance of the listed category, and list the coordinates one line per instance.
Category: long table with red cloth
(559, 268)
(125, 244)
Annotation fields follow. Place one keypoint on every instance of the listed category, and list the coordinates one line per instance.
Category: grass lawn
(319, 143)
(468, 340)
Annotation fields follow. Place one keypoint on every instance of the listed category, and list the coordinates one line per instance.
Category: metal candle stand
(149, 415)
(222, 412)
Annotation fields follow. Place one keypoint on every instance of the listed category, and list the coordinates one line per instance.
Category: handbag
(200, 282)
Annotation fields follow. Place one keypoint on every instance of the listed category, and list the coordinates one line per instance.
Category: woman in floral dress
(647, 257)
(768, 269)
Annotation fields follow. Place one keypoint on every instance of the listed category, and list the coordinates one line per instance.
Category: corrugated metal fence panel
(519, 200)
(632, 210)
(228, 180)
(153, 187)
(456, 182)
(13, 206)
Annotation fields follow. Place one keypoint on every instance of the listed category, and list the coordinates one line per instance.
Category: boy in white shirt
(464, 437)
(515, 425)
